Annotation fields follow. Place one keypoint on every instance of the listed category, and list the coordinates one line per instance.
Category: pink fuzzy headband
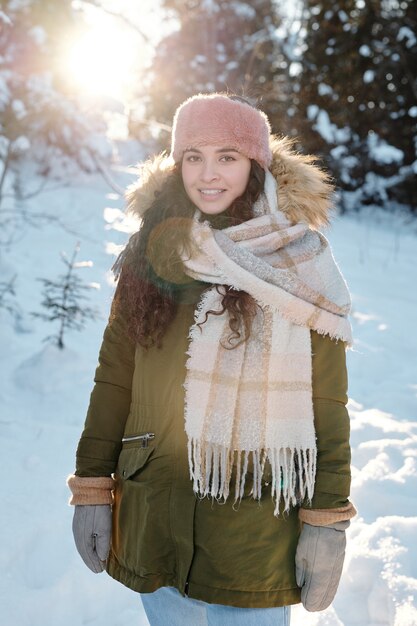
(218, 120)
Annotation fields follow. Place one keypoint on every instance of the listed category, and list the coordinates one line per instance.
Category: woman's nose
(208, 171)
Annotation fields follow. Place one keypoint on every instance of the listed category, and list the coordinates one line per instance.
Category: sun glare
(101, 61)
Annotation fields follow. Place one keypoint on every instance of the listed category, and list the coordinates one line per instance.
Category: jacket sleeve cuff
(324, 517)
(90, 490)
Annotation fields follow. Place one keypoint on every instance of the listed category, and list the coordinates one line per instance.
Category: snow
(338, 152)
(410, 37)
(38, 34)
(244, 10)
(19, 109)
(329, 131)
(365, 51)
(5, 18)
(21, 144)
(18, 5)
(4, 92)
(45, 392)
(382, 152)
(387, 154)
(369, 76)
(232, 65)
(295, 68)
(324, 89)
(210, 6)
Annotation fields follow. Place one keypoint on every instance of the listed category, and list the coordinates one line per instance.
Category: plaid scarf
(251, 405)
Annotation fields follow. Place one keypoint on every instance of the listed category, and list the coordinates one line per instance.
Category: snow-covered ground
(44, 395)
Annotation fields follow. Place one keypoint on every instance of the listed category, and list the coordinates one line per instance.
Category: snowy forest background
(87, 89)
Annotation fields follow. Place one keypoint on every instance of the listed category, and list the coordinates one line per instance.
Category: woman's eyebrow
(218, 150)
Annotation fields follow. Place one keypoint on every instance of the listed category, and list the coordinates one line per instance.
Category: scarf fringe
(293, 473)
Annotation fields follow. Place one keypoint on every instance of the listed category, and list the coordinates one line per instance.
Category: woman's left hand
(319, 563)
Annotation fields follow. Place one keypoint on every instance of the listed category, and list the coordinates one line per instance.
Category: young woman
(212, 475)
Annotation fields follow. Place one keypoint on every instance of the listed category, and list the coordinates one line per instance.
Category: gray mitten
(319, 563)
(91, 527)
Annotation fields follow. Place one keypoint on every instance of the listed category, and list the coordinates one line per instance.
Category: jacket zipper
(144, 439)
(186, 587)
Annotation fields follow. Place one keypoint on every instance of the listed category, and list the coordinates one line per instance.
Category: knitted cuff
(90, 490)
(324, 517)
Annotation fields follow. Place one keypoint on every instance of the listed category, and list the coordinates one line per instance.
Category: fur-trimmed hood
(304, 190)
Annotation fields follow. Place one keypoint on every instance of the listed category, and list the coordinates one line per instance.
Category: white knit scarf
(252, 405)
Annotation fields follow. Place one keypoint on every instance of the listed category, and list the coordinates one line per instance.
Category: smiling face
(214, 176)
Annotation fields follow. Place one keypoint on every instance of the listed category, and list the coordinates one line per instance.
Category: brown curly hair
(152, 271)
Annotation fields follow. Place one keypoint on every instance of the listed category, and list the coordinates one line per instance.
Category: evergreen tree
(219, 46)
(63, 301)
(358, 95)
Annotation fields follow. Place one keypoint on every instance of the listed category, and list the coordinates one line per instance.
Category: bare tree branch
(97, 4)
(6, 164)
(105, 174)
(14, 221)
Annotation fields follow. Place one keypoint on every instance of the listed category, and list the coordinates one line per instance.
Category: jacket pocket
(132, 460)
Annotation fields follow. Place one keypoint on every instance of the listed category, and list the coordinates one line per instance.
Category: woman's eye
(192, 158)
(227, 158)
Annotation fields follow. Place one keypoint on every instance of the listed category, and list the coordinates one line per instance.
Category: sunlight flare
(102, 60)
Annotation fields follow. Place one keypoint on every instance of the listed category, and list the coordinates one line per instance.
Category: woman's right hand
(91, 527)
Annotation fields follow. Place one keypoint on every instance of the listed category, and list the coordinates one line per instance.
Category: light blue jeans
(167, 607)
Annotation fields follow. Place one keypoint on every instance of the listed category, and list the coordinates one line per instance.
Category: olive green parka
(163, 534)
